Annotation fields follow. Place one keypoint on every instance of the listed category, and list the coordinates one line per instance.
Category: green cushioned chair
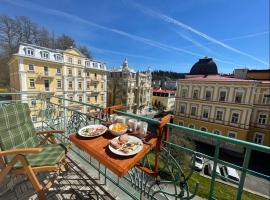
(21, 151)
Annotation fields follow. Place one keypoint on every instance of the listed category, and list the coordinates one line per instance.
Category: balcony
(45, 75)
(176, 178)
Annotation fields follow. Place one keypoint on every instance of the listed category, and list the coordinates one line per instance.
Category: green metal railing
(72, 120)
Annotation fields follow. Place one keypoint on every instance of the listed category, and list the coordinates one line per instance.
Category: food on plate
(93, 131)
(125, 145)
(123, 138)
(119, 127)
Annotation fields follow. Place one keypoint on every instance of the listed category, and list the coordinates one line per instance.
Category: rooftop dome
(204, 66)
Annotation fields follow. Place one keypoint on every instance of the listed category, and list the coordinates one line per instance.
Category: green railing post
(213, 175)
(243, 173)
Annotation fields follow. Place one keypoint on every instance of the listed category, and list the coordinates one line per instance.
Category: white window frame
(34, 118)
(79, 85)
(80, 99)
(29, 50)
(232, 132)
(191, 111)
(33, 81)
(266, 118)
(184, 95)
(47, 89)
(225, 99)
(69, 72)
(58, 57)
(198, 94)
(184, 108)
(79, 72)
(31, 70)
(69, 84)
(79, 61)
(206, 108)
(223, 113)
(242, 96)
(44, 54)
(254, 137)
(33, 102)
(266, 100)
(58, 71)
(238, 119)
(59, 81)
(69, 60)
(216, 130)
(210, 98)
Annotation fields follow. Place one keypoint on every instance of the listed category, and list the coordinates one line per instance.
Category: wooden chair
(21, 152)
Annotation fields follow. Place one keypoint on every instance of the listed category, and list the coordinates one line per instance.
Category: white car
(229, 174)
(199, 163)
(208, 169)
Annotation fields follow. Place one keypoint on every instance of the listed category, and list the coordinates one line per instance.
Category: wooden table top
(97, 147)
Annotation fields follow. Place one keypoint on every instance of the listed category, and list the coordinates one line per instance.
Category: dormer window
(44, 54)
(87, 63)
(30, 52)
(58, 57)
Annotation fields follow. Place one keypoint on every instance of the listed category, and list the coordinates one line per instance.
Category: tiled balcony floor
(74, 184)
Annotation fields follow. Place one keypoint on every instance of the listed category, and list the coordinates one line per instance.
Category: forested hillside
(13, 31)
(159, 74)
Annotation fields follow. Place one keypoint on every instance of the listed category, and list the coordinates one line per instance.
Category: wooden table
(98, 148)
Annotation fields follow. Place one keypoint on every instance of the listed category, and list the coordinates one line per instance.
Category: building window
(184, 93)
(80, 85)
(203, 129)
(32, 83)
(102, 98)
(58, 57)
(232, 134)
(195, 94)
(29, 52)
(46, 70)
(31, 67)
(70, 84)
(193, 111)
(102, 85)
(79, 62)
(266, 99)
(217, 132)
(95, 86)
(58, 71)
(238, 97)
(181, 123)
(59, 84)
(47, 85)
(79, 72)
(191, 126)
(59, 101)
(88, 99)
(88, 84)
(33, 102)
(182, 109)
(87, 64)
(69, 71)
(222, 96)
(80, 99)
(95, 75)
(205, 113)
(48, 99)
(34, 118)
(87, 74)
(262, 118)
(69, 60)
(71, 99)
(258, 138)
(219, 115)
(44, 54)
(235, 118)
(95, 99)
(208, 95)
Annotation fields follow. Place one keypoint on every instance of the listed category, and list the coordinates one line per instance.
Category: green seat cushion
(16, 127)
(51, 155)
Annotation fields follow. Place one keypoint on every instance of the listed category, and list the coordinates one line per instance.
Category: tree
(65, 42)
(84, 50)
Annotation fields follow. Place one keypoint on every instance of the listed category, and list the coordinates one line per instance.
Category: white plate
(92, 126)
(130, 139)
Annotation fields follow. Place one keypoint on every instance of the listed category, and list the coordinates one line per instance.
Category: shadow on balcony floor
(73, 184)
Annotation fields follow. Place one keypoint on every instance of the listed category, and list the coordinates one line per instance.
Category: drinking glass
(132, 124)
(142, 126)
(113, 117)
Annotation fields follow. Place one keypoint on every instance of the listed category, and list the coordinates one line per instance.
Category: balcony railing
(177, 178)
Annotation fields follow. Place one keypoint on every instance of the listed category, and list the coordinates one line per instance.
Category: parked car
(208, 169)
(199, 163)
(229, 174)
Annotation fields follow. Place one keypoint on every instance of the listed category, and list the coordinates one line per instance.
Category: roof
(215, 78)
(164, 91)
(204, 66)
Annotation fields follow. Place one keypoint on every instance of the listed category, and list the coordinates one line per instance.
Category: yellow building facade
(230, 107)
(57, 73)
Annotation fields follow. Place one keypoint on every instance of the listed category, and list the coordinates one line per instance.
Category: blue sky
(169, 35)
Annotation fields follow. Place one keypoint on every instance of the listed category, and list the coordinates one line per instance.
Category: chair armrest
(19, 151)
(50, 132)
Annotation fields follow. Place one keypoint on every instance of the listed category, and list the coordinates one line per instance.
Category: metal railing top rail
(85, 104)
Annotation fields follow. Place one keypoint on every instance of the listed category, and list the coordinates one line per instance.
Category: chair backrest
(16, 127)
